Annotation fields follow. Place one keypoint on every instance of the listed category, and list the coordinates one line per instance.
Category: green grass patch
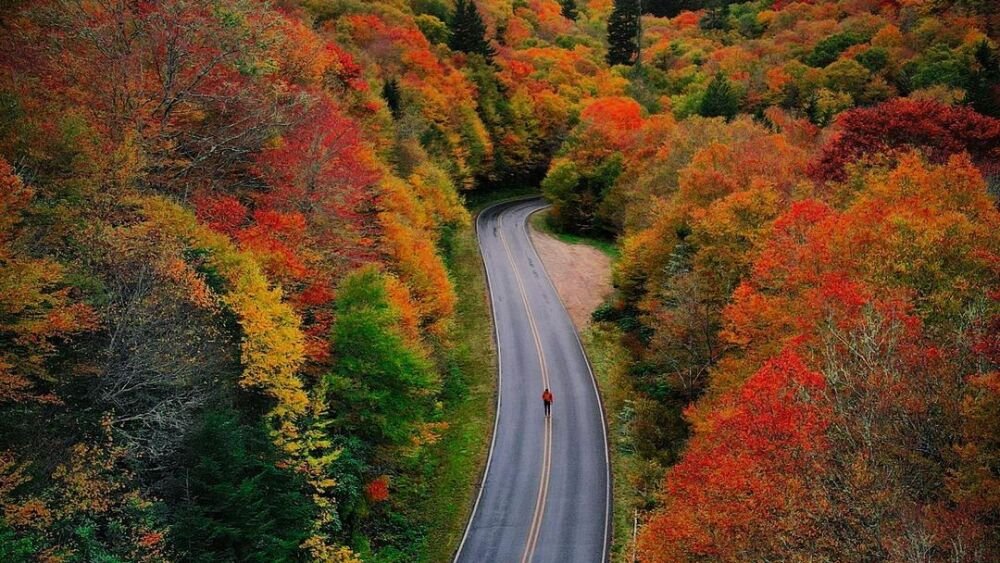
(461, 453)
(460, 456)
(610, 363)
(540, 222)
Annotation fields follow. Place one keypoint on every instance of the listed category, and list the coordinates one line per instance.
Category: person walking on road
(547, 400)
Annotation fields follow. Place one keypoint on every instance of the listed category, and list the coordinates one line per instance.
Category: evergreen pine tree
(569, 10)
(393, 98)
(237, 503)
(984, 82)
(670, 8)
(468, 32)
(716, 17)
(623, 32)
(720, 99)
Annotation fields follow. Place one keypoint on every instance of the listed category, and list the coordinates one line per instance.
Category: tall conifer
(623, 33)
(569, 9)
(468, 32)
(720, 100)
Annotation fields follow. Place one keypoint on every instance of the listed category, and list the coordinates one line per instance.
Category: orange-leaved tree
(37, 307)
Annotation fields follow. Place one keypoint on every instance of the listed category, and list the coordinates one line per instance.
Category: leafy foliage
(239, 504)
(569, 9)
(876, 339)
(204, 179)
(37, 307)
(223, 231)
(720, 100)
(833, 254)
(382, 386)
(900, 125)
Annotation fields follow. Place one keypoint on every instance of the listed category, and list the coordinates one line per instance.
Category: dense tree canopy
(228, 303)
(222, 262)
(803, 196)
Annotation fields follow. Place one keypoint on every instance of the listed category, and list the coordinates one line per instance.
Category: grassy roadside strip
(460, 455)
(540, 222)
(609, 360)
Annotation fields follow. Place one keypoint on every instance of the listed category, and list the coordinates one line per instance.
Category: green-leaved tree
(237, 503)
(569, 9)
(623, 33)
(393, 97)
(382, 386)
(721, 99)
(468, 32)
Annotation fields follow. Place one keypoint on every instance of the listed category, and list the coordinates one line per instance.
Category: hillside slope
(232, 237)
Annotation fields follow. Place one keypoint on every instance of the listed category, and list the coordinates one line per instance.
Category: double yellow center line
(543, 487)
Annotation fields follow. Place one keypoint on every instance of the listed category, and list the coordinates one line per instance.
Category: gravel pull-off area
(581, 274)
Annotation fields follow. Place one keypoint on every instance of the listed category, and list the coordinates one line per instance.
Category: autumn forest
(242, 317)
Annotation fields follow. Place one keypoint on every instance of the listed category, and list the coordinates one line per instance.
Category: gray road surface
(546, 494)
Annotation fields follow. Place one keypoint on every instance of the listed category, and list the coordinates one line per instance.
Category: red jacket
(547, 396)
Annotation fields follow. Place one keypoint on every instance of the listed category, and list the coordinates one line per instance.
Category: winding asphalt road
(546, 493)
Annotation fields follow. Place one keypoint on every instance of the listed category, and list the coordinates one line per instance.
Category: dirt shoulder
(581, 274)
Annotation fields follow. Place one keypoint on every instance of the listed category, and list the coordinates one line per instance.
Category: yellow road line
(543, 487)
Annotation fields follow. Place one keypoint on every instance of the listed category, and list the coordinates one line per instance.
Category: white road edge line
(496, 420)
(496, 337)
(597, 393)
(496, 416)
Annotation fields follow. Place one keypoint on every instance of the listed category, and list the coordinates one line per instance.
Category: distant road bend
(546, 494)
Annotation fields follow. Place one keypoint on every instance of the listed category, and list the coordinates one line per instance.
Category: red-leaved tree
(901, 125)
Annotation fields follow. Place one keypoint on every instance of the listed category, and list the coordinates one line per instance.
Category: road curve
(546, 494)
